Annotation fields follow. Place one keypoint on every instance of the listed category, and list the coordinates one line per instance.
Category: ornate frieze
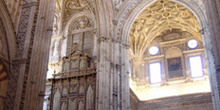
(22, 31)
(29, 54)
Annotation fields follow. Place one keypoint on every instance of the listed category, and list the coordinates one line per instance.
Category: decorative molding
(19, 61)
(72, 7)
(103, 39)
(29, 54)
(30, 4)
(81, 23)
(22, 31)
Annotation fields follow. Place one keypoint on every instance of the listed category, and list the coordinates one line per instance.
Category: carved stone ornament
(81, 23)
(56, 23)
(72, 7)
(76, 4)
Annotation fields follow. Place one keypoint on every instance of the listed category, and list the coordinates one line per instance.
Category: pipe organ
(74, 88)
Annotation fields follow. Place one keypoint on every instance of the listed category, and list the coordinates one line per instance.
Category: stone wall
(200, 101)
(134, 101)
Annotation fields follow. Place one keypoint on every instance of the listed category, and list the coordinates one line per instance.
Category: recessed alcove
(167, 54)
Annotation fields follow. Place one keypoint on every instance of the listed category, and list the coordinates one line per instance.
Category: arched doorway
(125, 25)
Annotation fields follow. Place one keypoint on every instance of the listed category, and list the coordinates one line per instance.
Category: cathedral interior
(109, 55)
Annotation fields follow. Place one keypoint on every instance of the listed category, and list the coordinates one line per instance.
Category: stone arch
(135, 8)
(71, 25)
(7, 52)
(130, 13)
(9, 31)
(75, 16)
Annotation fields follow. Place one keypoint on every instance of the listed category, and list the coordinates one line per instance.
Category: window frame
(202, 64)
(161, 72)
(193, 47)
(155, 47)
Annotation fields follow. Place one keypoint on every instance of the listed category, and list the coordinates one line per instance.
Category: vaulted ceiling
(158, 17)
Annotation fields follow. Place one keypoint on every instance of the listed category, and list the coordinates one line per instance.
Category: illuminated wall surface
(166, 53)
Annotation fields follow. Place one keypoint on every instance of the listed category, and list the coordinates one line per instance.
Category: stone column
(103, 73)
(124, 88)
(36, 84)
(24, 38)
(213, 14)
(116, 75)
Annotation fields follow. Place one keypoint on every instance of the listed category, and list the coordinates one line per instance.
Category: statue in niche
(81, 105)
(64, 106)
(89, 98)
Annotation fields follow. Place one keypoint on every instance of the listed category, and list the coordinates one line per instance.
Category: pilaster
(213, 14)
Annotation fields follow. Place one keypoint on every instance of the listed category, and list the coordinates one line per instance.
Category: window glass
(196, 68)
(154, 50)
(192, 43)
(155, 73)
